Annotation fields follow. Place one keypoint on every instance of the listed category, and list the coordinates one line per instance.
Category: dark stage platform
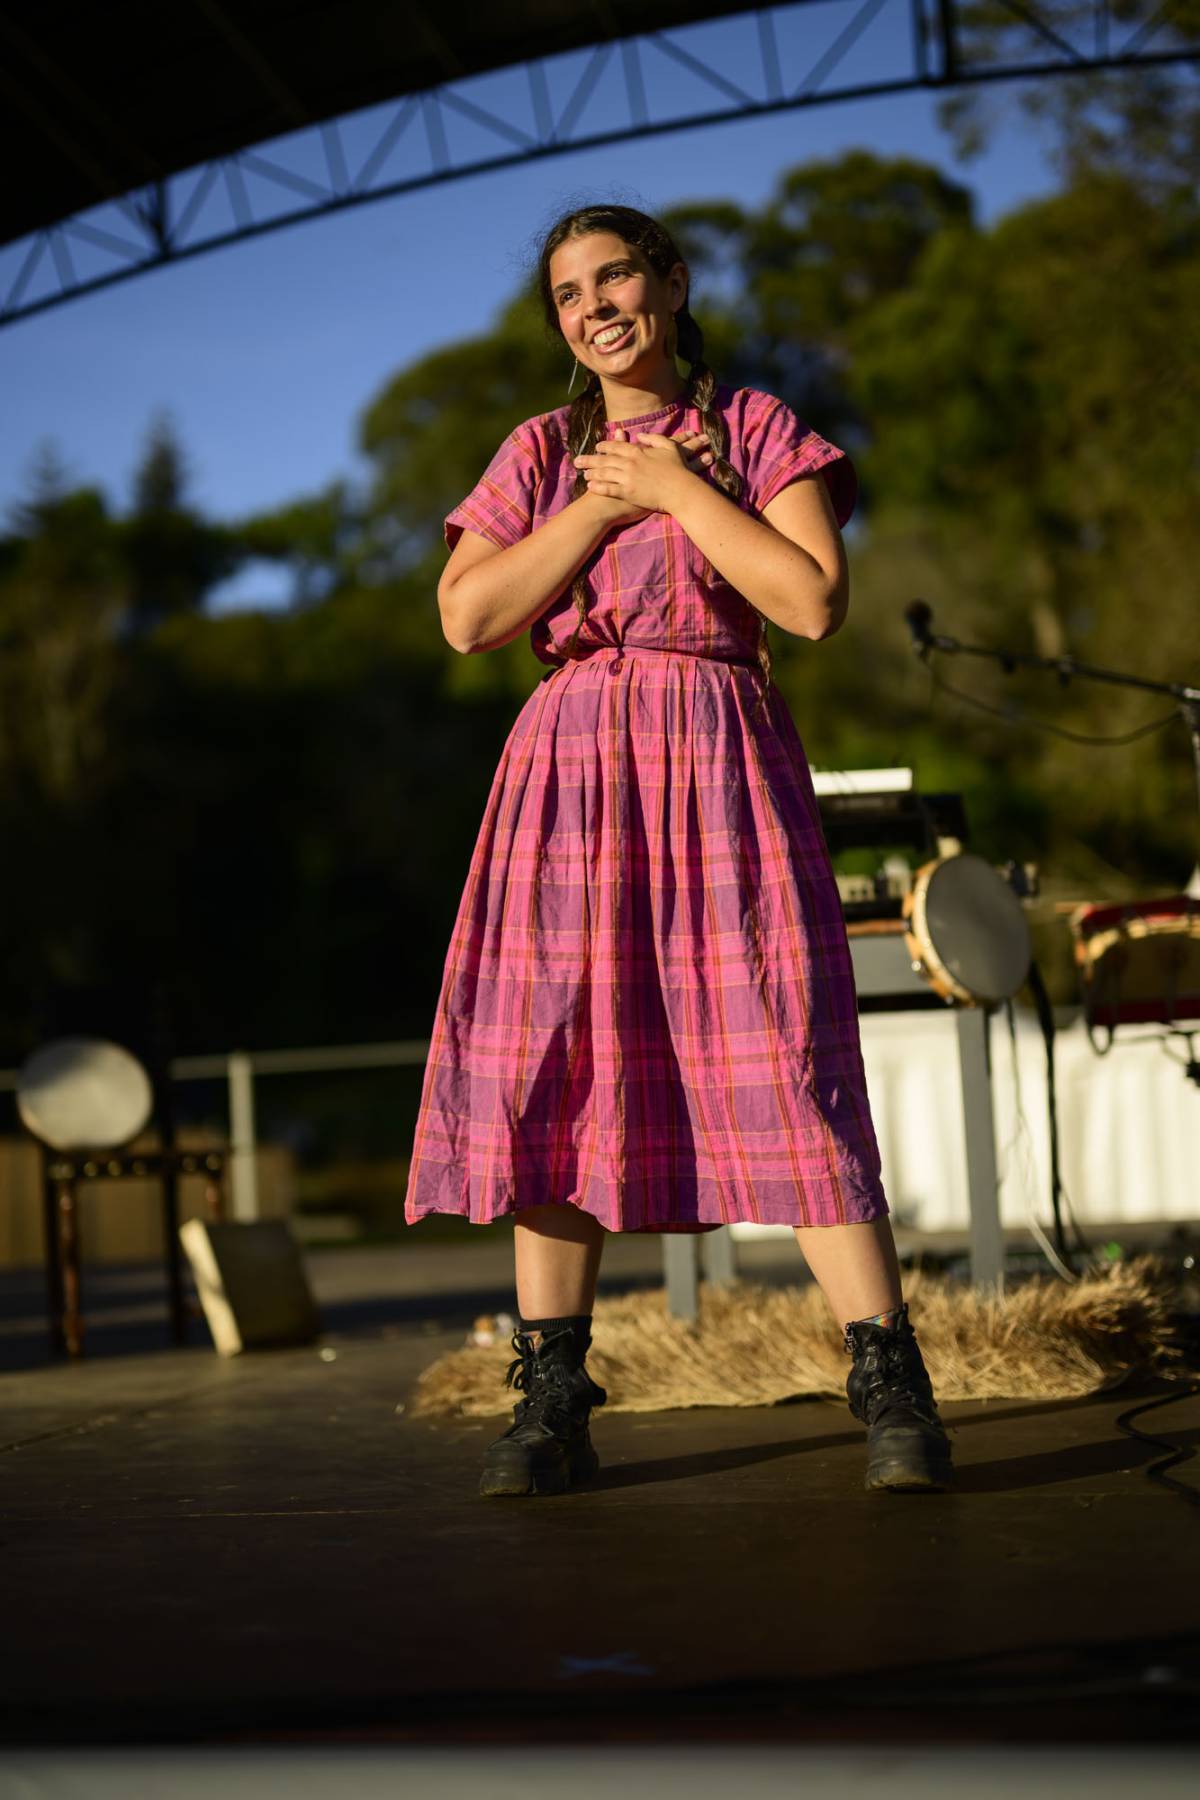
(263, 1551)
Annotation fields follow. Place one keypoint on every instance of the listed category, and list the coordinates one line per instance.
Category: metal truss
(552, 107)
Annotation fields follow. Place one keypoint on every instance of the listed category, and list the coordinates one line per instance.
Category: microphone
(917, 615)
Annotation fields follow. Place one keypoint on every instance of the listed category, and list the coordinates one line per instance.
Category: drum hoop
(920, 939)
(920, 943)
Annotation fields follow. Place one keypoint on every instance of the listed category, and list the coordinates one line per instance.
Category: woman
(647, 1019)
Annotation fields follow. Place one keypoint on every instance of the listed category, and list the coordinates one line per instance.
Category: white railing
(239, 1070)
(1129, 1122)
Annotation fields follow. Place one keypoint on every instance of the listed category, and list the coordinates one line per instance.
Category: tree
(1140, 121)
(173, 556)
(62, 594)
(275, 809)
(1032, 399)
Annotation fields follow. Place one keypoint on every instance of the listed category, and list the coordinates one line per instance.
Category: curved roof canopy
(99, 101)
(139, 134)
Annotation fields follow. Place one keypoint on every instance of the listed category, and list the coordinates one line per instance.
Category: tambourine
(1139, 962)
(966, 932)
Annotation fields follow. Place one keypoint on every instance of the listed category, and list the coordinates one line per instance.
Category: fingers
(695, 445)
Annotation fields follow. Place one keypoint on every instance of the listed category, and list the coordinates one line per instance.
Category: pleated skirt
(647, 1009)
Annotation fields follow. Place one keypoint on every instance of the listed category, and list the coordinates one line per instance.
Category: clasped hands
(647, 474)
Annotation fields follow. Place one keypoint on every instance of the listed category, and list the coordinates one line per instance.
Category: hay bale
(759, 1346)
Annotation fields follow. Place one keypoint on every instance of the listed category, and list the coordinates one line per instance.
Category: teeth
(611, 334)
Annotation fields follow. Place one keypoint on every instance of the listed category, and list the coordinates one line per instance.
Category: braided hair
(586, 416)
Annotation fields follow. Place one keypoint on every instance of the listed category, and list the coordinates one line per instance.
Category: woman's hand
(628, 481)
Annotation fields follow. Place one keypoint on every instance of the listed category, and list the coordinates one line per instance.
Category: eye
(621, 269)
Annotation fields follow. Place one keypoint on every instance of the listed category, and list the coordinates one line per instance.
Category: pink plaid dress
(648, 1006)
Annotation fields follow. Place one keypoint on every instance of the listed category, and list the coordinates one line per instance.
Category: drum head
(84, 1094)
(976, 925)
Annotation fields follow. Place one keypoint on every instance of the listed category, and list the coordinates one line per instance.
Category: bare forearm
(777, 576)
(497, 599)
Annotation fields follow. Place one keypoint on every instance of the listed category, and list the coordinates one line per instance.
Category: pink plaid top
(647, 582)
(647, 1007)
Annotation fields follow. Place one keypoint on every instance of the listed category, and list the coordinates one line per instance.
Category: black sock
(579, 1324)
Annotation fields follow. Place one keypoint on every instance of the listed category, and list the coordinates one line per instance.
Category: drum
(1139, 962)
(967, 934)
(84, 1094)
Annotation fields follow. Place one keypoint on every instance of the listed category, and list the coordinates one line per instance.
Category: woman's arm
(791, 564)
(488, 596)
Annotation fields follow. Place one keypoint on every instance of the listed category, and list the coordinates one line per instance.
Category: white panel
(1128, 1125)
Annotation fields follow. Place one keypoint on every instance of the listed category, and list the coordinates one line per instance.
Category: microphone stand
(918, 614)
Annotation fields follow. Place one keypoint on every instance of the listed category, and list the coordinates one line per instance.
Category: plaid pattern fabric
(647, 1008)
(647, 582)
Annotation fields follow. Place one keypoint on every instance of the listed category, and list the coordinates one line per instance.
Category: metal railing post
(243, 1166)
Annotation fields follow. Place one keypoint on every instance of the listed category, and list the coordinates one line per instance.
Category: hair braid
(583, 429)
(702, 387)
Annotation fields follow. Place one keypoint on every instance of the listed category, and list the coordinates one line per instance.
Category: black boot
(890, 1391)
(547, 1446)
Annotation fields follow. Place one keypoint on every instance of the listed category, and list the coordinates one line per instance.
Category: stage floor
(264, 1551)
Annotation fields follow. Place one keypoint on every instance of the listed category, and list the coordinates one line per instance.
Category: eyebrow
(612, 263)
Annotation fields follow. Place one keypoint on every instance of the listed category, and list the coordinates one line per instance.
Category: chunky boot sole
(907, 1451)
(508, 1472)
(910, 1472)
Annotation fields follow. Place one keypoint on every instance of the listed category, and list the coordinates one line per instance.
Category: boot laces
(895, 1381)
(527, 1367)
(549, 1385)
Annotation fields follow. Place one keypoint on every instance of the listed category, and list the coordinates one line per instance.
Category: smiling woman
(647, 1018)
(618, 317)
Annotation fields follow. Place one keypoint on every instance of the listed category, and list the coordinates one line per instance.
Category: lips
(618, 343)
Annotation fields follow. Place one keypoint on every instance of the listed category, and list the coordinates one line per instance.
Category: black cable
(1156, 1470)
(1076, 737)
(1045, 1013)
(1178, 1454)
(1056, 1183)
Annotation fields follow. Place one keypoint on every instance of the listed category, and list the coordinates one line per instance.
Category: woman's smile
(615, 313)
(613, 337)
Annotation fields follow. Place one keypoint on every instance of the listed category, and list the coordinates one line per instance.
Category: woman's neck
(624, 402)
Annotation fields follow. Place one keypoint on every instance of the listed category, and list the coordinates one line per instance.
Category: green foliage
(273, 811)
(837, 239)
(1139, 120)
(172, 556)
(433, 428)
(1034, 475)
(319, 539)
(61, 603)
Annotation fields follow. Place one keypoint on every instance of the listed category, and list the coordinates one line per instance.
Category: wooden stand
(61, 1175)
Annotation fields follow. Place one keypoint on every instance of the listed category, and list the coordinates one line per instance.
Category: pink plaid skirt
(648, 1008)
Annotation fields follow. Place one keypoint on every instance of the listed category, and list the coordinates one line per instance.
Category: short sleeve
(780, 448)
(500, 505)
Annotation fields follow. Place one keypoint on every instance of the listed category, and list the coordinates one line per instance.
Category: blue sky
(264, 354)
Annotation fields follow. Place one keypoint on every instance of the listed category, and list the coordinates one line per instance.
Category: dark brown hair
(656, 244)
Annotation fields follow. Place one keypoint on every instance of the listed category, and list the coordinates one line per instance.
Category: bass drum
(1139, 961)
(966, 931)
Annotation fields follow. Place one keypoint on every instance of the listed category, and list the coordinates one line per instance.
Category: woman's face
(599, 284)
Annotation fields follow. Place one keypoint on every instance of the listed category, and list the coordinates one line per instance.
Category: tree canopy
(273, 810)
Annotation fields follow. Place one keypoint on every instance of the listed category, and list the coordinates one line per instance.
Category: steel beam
(798, 53)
